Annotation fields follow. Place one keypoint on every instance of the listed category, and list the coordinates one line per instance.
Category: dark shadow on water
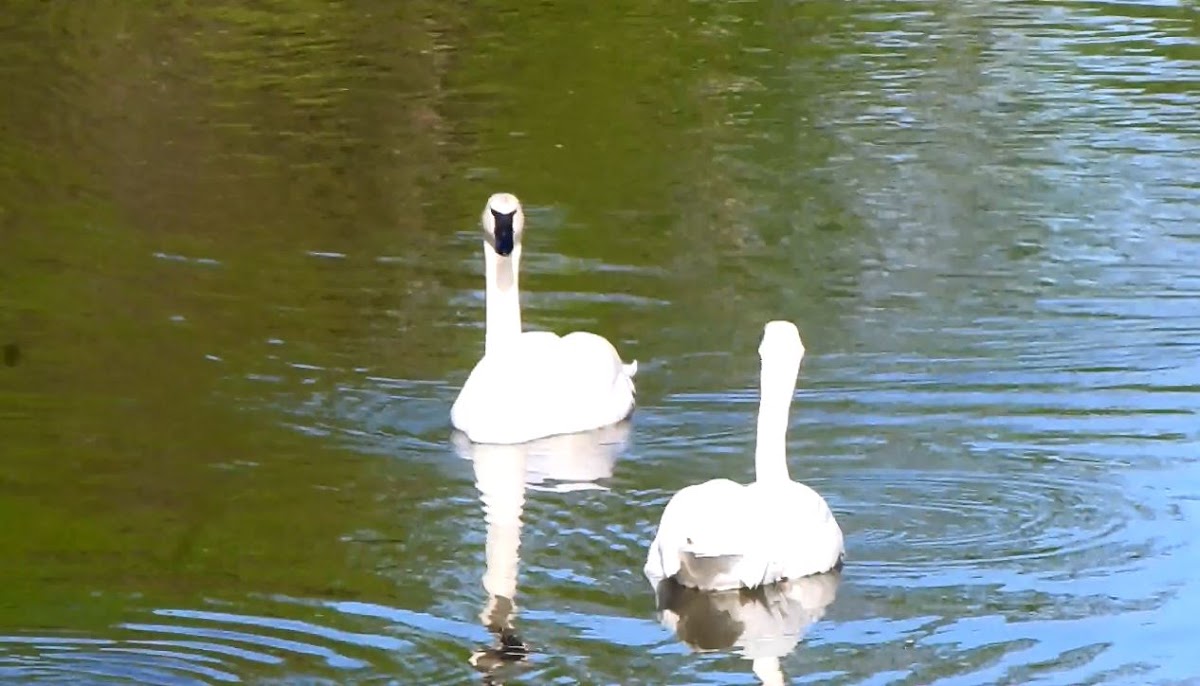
(509, 655)
(12, 354)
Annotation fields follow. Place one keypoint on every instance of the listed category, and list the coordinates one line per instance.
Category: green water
(241, 283)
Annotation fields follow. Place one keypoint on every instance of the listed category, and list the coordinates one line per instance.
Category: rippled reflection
(238, 295)
(763, 625)
(55, 660)
(566, 462)
(502, 472)
(195, 646)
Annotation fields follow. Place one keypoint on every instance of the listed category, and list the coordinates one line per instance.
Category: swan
(721, 535)
(533, 384)
(502, 475)
(763, 625)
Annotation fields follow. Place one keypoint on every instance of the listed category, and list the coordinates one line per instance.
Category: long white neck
(777, 386)
(503, 298)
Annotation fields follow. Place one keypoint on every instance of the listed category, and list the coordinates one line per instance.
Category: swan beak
(503, 233)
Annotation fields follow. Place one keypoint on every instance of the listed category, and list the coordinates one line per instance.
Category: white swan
(502, 473)
(533, 384)
(762, 625)
(722, 535)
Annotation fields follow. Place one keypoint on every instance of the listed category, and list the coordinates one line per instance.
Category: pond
(243, 283)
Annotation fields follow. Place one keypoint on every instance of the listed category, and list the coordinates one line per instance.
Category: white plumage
(533, 384)
(722, 535)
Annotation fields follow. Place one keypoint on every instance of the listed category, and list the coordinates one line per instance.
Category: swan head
(503, 222)
(781, 343)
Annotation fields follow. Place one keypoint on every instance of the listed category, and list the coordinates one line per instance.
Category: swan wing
(721, 535)
(592, 355)
(543, 385)
(808, 539)
(699, 541)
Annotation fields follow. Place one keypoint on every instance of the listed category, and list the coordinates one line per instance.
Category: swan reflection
(763, 624)
(502, 473)
(568, 462)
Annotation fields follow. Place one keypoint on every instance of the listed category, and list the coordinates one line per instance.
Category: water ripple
(190, 646)
(913, 524)
(51, 659)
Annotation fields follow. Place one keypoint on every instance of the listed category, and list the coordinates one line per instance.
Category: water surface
(242, 284)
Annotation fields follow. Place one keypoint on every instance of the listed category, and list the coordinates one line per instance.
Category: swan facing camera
(503, 221)
(503, 233)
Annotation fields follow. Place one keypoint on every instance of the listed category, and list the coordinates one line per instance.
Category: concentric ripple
(912, 522)
(185, 646)
(69, 660)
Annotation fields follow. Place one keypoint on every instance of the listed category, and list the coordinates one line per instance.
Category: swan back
(543, 385)
(722, 535)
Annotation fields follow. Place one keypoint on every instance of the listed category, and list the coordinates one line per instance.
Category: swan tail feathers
(627, 373)
(660, 564)
(630, 369)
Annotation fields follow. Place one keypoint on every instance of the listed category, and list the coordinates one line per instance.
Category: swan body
(533, 384)
(722, 535)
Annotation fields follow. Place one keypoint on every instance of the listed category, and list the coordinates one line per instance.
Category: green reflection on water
(238, 263)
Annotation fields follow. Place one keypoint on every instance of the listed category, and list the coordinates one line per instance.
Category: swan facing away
(533, 384)
(721, 535)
